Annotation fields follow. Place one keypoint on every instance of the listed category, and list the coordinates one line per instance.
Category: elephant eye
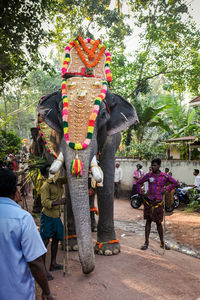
(97, 84)
(71, 85)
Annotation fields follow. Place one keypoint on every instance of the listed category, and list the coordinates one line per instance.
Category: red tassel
(77, 167)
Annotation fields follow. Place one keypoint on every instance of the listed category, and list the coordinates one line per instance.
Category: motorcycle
(181, 195)
(137, 200)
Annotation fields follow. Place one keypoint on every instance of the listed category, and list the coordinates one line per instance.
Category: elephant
(115, 115)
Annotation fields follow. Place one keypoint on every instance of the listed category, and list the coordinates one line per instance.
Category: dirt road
(135, 274)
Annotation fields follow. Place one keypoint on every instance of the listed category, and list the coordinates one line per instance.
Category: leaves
(9, 143)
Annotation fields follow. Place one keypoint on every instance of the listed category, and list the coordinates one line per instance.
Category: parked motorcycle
(181, 196)
(137, 200)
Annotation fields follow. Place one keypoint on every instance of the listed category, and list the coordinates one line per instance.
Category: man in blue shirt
(21, 247)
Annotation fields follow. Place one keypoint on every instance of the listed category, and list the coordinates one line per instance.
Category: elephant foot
(71, 243)
(107, 248)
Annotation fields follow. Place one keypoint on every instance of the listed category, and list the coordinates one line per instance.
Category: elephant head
(115, 114)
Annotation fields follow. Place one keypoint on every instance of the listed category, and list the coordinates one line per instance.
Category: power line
(21, 109)
(189, 2)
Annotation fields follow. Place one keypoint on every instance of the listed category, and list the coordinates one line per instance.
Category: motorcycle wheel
(135, 202)
(176, 201)
(187, 200)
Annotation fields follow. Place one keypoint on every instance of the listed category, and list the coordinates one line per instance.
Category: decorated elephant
(84, 120)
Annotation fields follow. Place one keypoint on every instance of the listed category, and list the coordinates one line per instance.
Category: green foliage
(36, 162)
(4, 120)
(148, 117)
(169, 44)
(9, 143)
(73, 18)
(22, 101)
(21, 33)
(145, 150)
(194, 204)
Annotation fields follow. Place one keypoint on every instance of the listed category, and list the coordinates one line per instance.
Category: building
(186, 147)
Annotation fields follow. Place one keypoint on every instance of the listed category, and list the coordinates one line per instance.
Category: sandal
(165, 246)
(145, 246)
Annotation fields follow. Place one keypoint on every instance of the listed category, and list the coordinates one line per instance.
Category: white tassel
(57, 164)
(96, 170)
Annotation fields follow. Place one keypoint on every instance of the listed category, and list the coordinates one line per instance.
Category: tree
(21, 33)
(9, 143)
(169, 44)
(87, 17)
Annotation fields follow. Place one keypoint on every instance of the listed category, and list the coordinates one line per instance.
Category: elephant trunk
(78, 188)
(81, 211)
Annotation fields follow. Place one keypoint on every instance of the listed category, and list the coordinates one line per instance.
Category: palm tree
(149, 117)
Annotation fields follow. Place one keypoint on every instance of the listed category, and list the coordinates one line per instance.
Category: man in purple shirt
(153, 200)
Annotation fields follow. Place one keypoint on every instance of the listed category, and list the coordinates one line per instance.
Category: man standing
(118, 178)
(21, 247)
(153, 200)
(50, 223)
(137, 174)
(166, 170)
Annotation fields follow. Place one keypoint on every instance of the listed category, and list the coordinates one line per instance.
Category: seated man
(21, 247)
(196, 184)
(197, 179)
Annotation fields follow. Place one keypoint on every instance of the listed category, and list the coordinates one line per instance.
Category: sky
(194, 10)
(133, 40)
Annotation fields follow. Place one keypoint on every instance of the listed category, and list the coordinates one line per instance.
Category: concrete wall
(182, 170)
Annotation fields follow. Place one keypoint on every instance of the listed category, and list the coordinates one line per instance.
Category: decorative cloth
(87, 58)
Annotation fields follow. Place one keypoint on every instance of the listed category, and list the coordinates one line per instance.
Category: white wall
(182, 170)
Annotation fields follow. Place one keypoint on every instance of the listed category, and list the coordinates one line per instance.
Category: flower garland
(72, 44)
(92, 119)
(90, 53)
(82, 57)
(76, 165)
(43, 137)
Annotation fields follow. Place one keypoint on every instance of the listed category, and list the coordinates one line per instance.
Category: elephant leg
(92, 213)
(107, 244)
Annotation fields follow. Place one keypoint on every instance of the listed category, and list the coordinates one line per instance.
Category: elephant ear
(122, 113)
(50, 108)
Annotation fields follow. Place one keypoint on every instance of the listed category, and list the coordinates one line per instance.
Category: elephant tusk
(57, 164)
(96, 170)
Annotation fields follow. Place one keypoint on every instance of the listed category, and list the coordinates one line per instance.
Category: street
(136, 274)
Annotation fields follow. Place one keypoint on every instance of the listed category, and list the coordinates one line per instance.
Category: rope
(68, 237)
(164, 225)
(103, 243)
(95, 210)
(65, 243)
